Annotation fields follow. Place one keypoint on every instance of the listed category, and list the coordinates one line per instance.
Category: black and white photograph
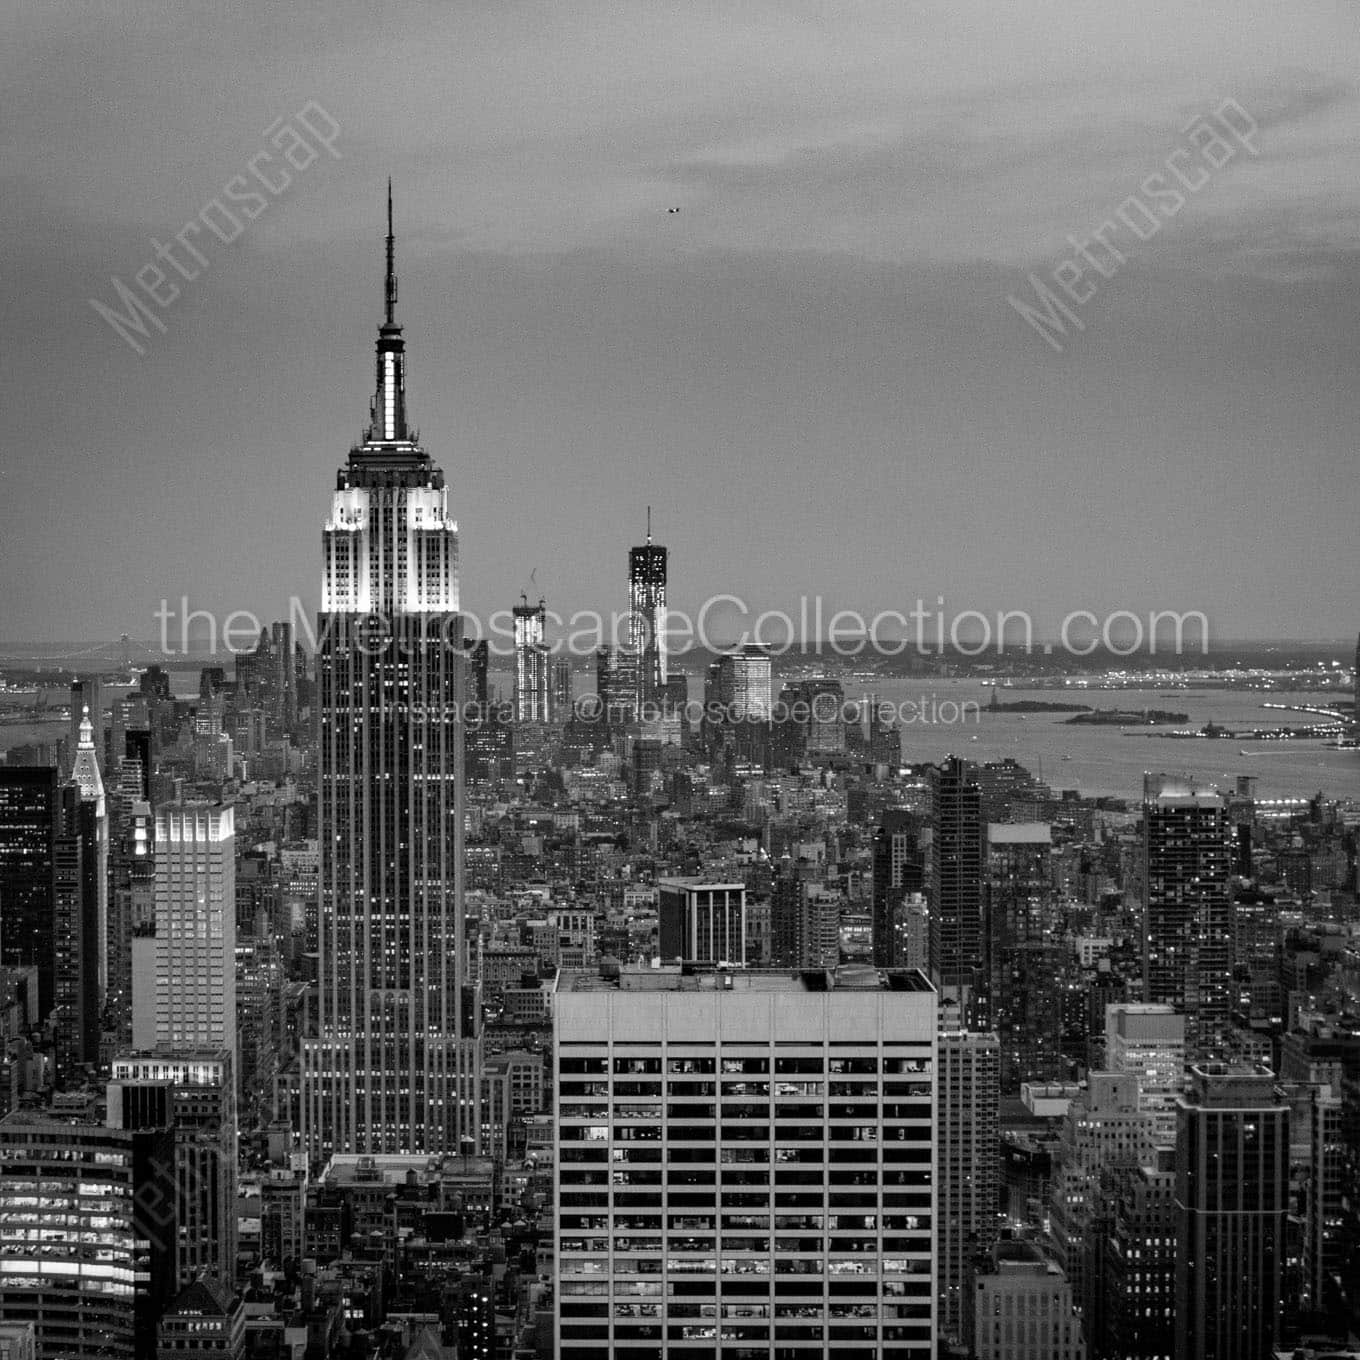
(679, 680)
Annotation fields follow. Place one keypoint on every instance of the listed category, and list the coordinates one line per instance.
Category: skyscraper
(616, 685)
(479, 680)
(804, 920)
(192, 1093)
(1103, 1127)
(184, 977)
(954, 887)
(647, 614)
(71, 1256)
(812, 722)
(561, 689)
(1137, 1321)
(967, 1109)
(745, 1156)
(1025, 953)
(1188, 907)
(1148, 1042)
(531, 662)
(85, 775)
(388, 1070)
(285, 671)
(131, 864)
(743, 684)
(1232, 1198)
(899, 870)
(29, 822)
(78, 943)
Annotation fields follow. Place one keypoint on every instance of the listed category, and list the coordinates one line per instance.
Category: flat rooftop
(694, 881)
(846, 978)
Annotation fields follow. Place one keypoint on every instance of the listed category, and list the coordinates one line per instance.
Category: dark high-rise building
(488, 735)
(1026, 957)
(1103, 1127)
(899, 870)
(285, 671)
(647, 615)
(393, 1066)
(616, 685)
(1139, 1261)
(1232, 1198)
(1187, 941)
(155, 683)
(561, 689)
(479, 674)
(191, 1092)
(256, 671)
(489, 753)
(1004, 784)
(29, 822)
(1323, 1051)
(885, 735)
(811, 722)
(967, 1098)
(804, 921)
(78, 933)
(954, 887)
(268, 675)
(212, 681)
(131, 893)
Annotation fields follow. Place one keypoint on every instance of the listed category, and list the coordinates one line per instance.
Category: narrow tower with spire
(647, 615)
(387, 411)
(393, 1067)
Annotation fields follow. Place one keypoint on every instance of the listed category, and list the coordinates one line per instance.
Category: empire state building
(393, 1065)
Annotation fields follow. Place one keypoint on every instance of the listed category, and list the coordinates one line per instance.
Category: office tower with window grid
(184, 977)
(1187, 858)
(954, 885)
(1232, 1201)
(744, 1163)
(967, 1115)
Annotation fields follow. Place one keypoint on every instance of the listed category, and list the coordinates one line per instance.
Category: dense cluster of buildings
(395, 1000)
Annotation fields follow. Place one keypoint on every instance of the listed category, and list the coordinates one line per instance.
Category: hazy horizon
(811, 370)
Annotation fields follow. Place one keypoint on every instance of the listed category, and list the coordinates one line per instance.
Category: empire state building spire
(387, 413)
(393, 1065)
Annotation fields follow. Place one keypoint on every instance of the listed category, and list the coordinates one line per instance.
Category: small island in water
(1085, 714)
(1116, 717)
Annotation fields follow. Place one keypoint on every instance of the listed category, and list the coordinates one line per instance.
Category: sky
(811, 371)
